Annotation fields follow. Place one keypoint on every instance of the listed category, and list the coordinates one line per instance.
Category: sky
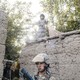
(35, 8)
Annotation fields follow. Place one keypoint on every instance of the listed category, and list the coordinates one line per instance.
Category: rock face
(64, 53)
(3, 35)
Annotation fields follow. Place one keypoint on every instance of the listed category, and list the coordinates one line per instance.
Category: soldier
(43, 28)
(41, 61)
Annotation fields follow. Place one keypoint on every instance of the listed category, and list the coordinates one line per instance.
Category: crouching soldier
(43, 68)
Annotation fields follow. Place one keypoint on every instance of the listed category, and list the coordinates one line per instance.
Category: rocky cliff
(3, 35)
(64, 53)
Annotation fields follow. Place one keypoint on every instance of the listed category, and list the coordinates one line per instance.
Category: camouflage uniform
(46, 76)
(39, 58)
(42, 57)
(24, 75)
(42, 31)
(42, 28)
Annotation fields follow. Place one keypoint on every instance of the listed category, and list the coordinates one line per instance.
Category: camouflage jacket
(26, 76)
(45, 77)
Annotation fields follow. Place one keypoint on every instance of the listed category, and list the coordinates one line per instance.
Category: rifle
(26, 74)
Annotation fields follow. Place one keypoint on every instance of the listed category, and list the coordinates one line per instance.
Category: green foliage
(14, 31)
(64, 14)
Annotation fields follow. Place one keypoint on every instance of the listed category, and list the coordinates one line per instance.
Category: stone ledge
(62, 36)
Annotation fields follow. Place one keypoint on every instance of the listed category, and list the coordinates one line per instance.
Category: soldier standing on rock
(43, 28)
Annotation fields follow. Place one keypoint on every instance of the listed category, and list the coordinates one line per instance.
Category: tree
(64, 14)
(15, 32)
